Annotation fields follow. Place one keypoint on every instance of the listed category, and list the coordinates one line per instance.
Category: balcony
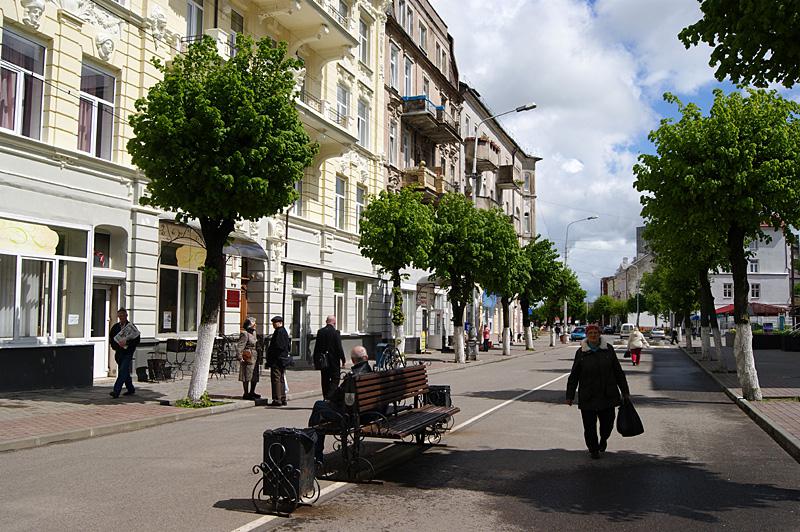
(508, 177)
(430, 182)
(430, 120)
(221, 37)
(486, 203)
(325, 126)
(317, 24)
(488, 154)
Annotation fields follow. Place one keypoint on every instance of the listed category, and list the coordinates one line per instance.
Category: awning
(755, 309)
(239, 244)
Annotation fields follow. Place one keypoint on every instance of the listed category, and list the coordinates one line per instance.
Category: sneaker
(114, 394)
(130, 392)
(595, 454)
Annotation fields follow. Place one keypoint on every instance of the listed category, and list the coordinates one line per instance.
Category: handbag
(628, 421)
(321, 360)
(247, 356)
(627, 354)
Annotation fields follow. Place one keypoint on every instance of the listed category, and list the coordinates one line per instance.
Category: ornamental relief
(108, 26)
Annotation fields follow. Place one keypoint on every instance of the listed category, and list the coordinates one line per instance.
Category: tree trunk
(398, 318)
(705, 342)
(506, 325)
(458, 332)
(526, 322)
(677, 319)
(215, 234)
(743, 343)
(706, 299)
(687, 322)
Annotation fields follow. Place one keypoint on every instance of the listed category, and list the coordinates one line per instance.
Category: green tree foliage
(544, 266)
(220, 141)
(737, 168)
(619, 309)
(754, 42)
(602, 309)
(397, 232)
(565, 284)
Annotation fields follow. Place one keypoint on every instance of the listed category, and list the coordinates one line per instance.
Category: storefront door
(299, 328)
(104, 306)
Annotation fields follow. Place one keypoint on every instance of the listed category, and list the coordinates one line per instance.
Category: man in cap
(278, 358)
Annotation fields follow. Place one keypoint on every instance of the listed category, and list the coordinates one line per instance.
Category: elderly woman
(248, 365)
(598, 378)
(636, 342)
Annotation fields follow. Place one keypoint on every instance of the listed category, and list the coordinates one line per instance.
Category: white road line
(252, 525)
(501, 405)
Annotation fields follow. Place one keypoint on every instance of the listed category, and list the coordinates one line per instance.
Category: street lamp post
(566, 250)
(522, 108)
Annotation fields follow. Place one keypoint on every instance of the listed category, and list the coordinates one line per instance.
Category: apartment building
(75, 243)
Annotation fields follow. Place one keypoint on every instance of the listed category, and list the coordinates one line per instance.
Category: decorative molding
(32, 12)
(157, 24)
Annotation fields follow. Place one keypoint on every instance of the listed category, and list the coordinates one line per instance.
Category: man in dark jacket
(278, 359)
(598, 377)
(124, 337)
(332, 408)
(328, 356)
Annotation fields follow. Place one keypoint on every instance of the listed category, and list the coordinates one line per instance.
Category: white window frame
(393, 142)
(232, 36)
(755, 291)
(401, 13)
(423, 37)
(340, 302)
(346, 12)
(410, 21)
(361, 203)
(753, 266)
(191, 7)
(409, 311)
(363, 40)
(343, 100)
(301, 275)
(340, 203)
(179, 310)
(363, 123)
(394, 66)
(406, 142)
(527, 221)
(297, 207)
(19, 89)
(361, 307)
(426, 86)
(727, 290)
(408, 77)
(438, 49)
(96, 102)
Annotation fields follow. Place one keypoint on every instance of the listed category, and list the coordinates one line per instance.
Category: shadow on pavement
(90, 395)
(559, 397)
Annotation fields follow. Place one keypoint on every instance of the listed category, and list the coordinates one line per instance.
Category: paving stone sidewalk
(779, 377)
(33, 418)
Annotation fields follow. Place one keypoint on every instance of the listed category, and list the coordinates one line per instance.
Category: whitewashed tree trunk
(717, 353)
(688, 340)
(680, 334)
(528, 339)
(202, 362)
(506, 340)
(400, 338)
(745, 363)
(705, 343)
(552, 337)
(458, 344)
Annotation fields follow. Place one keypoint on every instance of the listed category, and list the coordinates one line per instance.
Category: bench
(377, 406)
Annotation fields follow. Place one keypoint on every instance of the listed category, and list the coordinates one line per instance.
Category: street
(701, 464)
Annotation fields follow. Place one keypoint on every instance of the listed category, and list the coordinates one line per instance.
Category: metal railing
(336, 116)
(311, 101)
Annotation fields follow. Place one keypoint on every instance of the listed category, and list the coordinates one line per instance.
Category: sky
(597, 71)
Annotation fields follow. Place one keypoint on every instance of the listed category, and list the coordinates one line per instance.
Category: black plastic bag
(628, 421)
(627, 354)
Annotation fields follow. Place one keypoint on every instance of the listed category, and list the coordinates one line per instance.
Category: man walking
(328, 356)
(278, 358)
(124, 337)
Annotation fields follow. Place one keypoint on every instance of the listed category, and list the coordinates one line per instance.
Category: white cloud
(595, 72)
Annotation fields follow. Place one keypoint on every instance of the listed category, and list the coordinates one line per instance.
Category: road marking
(501, 405)
(252, 525)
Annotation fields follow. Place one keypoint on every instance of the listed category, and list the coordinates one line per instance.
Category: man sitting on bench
(331, 409)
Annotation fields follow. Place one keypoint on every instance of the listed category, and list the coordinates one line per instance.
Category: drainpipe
(216, 12)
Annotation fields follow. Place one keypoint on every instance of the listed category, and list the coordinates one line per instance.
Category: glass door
(299, 329)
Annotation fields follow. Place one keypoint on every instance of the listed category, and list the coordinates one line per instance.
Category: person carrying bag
(629, 423)
(328, 356)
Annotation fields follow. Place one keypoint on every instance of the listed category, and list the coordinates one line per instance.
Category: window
(438, 57)
(423, 38)
(342, 100)
(361, 292)
(755, 290)
(727, 290)
(753, 245)
(361, 199)
(344, 9)
(297, 279)
(21, 85)
(8, 297)
(340, 203)
(297, 208)
(410, 313)
(426, 86)
(194, 18)
(401, 12)
(102, 250)
(406, 149)
(363, 123)
(408, 70)
(410, 22)
(393, 142)
(394, 74)
(753, 266)
(237, 27)
(339, 304)
(363, 41)
(179, 285)
(466, 126)
(96, 113)
(444, 63)
(526, 186)
(526, 223)
(453, 171)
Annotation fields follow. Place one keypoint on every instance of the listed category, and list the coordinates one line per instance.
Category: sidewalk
(779, 376)
(34, 418)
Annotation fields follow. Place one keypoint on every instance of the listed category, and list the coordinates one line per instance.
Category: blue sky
(597, 70)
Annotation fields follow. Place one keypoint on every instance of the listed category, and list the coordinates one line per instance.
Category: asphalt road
(701, 464)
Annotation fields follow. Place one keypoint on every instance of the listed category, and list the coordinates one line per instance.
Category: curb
(189, 413)
(789, 443)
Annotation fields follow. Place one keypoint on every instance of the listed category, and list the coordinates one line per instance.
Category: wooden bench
(388, 404)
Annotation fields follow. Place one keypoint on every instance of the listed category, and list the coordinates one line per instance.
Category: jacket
(598, 378)
(636, 340)
(278, 351)
(247, 342)
(119, 351)
(329, 339)
(337, 397)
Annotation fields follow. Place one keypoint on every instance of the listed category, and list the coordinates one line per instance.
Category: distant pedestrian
(673, 336)
(328, 356)
(486, 334)
(636, 342)
(124, 337)
(249, 367)
(598, 378)
(278, 359)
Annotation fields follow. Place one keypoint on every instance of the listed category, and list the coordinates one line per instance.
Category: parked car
(577, 334)
(657, 334)
(626, 330)
(608, 329)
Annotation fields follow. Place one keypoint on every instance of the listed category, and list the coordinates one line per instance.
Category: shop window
(21, 85)
(35, 298)
(71, 299)
(297, 279)
(179, 288)
(8, 294)
(410, 312)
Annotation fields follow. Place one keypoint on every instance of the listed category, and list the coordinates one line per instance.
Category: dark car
(577, 334)
(608, 329)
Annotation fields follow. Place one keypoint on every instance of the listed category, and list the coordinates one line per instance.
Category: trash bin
(380, 347)
(290, 447)
(141, 374)
(438, 395)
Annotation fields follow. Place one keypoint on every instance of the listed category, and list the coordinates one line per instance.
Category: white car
(657, 334)
(626, 330)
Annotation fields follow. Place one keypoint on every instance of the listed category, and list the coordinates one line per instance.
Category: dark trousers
(277, 376)
(124, 375)
(485, 344)
(329, 381)
(321, 412)
(590, 417)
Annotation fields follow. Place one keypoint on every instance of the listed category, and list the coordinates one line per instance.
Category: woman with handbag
(636, 342)
(598, 378)
(246, 348)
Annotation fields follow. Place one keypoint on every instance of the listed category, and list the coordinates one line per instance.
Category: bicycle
(392, 358)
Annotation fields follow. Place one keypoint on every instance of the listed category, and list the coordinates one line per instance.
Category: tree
(754, 42)
(506, 268)
(459, 241)
(636, 304)
(619, 309)
(544, 265)
(397, 232)
(739, 168)
(602, 309)
(220, 141)
(565, 285)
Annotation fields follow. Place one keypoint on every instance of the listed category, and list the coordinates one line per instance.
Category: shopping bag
(628, 421)
(627, 353)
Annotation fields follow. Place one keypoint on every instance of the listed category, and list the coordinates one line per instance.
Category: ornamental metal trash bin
(380, 347)
(438, 395)
(289, 457)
